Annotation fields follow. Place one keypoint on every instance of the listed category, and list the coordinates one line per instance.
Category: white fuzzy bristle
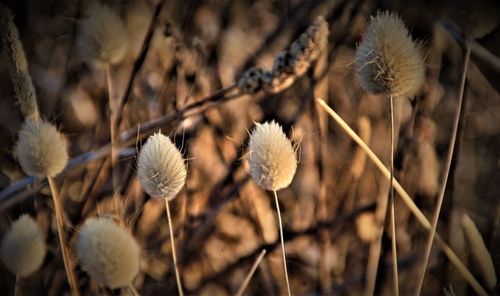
(23, 247)
(272, 157)
(108, 253)
(102, 38)
(41, 149)
(161, 168)
(387, 60)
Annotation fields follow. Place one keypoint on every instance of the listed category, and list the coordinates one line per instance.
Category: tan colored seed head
(41, 149)
(272, 158)
(102, 37)
(108, 253)
(161, 168)
(23, 247)
(387, 60)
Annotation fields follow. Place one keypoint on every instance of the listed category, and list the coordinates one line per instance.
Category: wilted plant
(162, 173)
(108, 253)
(273, 164)
(23, 247)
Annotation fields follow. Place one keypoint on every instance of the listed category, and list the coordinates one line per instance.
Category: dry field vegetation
(170, 147)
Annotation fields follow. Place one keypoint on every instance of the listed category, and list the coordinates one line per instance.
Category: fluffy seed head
(108, 253)
(387, 60)
(23, 247)
(41, 149)
(272, 158)
(102, 38)
(161, 168)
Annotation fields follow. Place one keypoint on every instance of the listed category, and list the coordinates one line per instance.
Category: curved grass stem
(450, 254)
(133, 290)
(282, 242)
(449, 158)
(66, 253)
(174, 256)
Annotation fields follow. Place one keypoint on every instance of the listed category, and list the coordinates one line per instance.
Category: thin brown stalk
(247, 279)
(282, 242)
(172, 242)
(16, 286)
(112, 102)
(376, 245)
(462, 269)
(133, 290)
(393, 214)
(66, 252)
(449, 158)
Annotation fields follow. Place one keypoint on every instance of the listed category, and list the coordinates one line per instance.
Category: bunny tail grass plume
(108, 253)
(479, 251)
(41, 149)
(272, 158)
(102, 38)
(23, 247)
(161, 168)
(18, 66)
(387, 60)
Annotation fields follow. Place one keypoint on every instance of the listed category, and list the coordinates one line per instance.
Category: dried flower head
(293, 63)
(309, 45)
(41, 149)
(161, 168)
(108, 253)
(272, 158)
(252, 80)
(18, 65)
(23, 247)
(387, 60)
(102, 38)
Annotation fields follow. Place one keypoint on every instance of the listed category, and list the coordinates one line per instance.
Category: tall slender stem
(66, 253)
(247, 279)
(282, 242)
(174, 256)
(16, 286)
(449, 158)
(133, 290)
(112, 103)
(393, 214)
(447, 250)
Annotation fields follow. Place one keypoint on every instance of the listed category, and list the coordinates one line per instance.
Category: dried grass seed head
(387, 59)
(18, 65)
(161, 168)
(108, 252)
(309, 45)
(102, 38)
(272, 158)
(252, 80)
(23, 247)
(41, 149)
